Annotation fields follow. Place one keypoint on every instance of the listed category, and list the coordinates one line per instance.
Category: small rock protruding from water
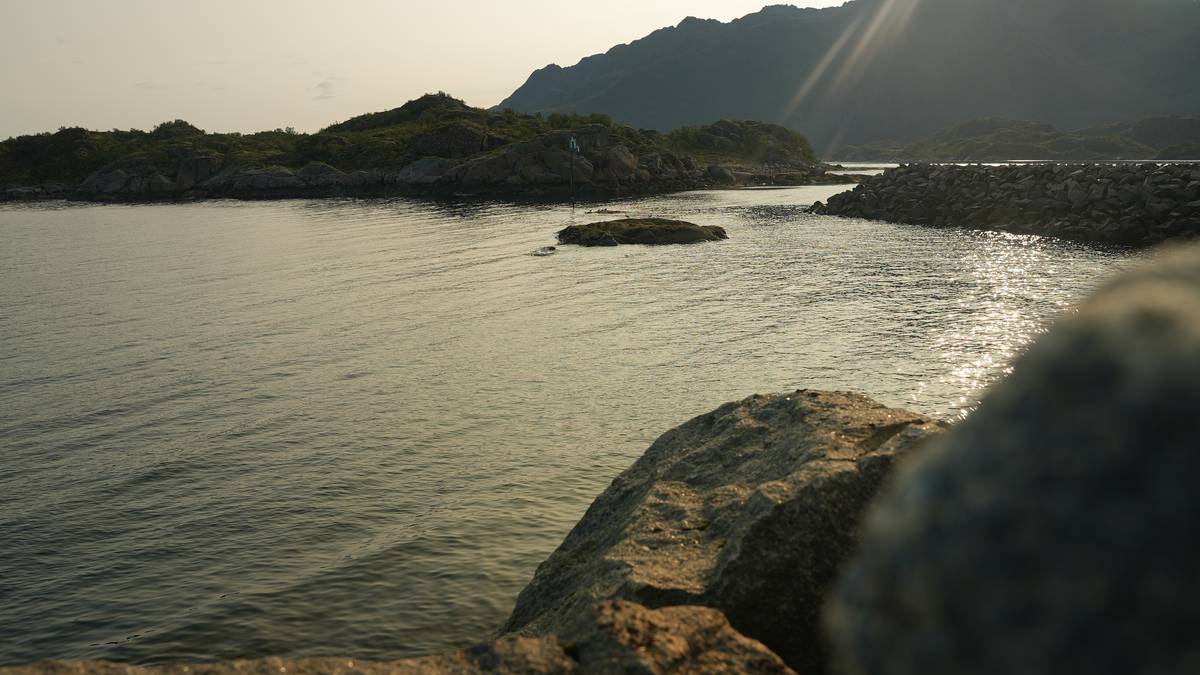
(649, 231)
(545, 251)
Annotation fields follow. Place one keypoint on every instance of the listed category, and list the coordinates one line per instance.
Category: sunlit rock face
(1053, 531)
(748, 509)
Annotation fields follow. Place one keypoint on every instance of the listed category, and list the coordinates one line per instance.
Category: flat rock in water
(652, 231)
(749, 509)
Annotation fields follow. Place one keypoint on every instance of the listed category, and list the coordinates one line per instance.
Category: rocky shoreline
(1120, 204)
(544, 168)
(1048, 533)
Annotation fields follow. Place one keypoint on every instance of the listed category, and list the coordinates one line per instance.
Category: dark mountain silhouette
(896, 70)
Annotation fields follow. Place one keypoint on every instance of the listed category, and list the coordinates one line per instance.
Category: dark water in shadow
(356, 427)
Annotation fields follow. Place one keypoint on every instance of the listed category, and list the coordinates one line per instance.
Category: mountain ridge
(893, 69)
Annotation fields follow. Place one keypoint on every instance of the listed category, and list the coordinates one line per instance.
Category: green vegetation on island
(177, 156)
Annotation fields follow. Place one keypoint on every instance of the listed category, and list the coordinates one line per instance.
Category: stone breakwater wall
(1125, 204)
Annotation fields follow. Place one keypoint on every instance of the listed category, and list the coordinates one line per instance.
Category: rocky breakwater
(1054, 530)
(1125, 204)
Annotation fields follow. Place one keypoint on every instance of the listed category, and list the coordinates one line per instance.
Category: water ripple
(357, 426)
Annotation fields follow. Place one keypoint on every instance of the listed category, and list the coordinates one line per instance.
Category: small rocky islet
(1115, 204)
(822, 532)
(646, 231)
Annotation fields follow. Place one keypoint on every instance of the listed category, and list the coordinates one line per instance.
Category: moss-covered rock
(650, 231)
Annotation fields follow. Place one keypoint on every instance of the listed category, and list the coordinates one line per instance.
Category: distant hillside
(895, 69)
(1186, 151)
(418, 143)
(997, 140)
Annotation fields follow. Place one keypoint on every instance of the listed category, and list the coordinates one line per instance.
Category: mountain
(998, 140)
(894, 69)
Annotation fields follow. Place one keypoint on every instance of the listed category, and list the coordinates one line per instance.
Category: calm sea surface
(356, 427)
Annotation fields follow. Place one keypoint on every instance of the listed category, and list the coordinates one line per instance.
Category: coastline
(383, 185)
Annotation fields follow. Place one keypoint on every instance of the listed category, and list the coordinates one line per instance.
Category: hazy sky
(247, 65)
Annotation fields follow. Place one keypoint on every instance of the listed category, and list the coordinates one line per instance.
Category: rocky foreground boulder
(749, 509)
(1126, 204)
(1055, 531)
(649, 231)
(611, 637)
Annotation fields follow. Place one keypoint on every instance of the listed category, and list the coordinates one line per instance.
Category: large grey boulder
(749, 509)
(193, 168)
(320, 174)
(610, 638)
(105, 182)
(266, 178)
(425, 171)
(720, 175)
(1055, 531)
(619, 164)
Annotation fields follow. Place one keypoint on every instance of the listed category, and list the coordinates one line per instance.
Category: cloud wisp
(328, 88)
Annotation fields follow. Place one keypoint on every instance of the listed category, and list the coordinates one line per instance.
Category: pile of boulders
(1126, 204)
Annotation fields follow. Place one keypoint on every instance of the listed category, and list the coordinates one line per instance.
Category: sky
(249, 65)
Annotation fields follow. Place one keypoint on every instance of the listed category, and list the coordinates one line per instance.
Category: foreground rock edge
(749, 509)
(612, 637)
(1051, 532)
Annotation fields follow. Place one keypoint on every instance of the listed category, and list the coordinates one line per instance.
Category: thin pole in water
(574, 147)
